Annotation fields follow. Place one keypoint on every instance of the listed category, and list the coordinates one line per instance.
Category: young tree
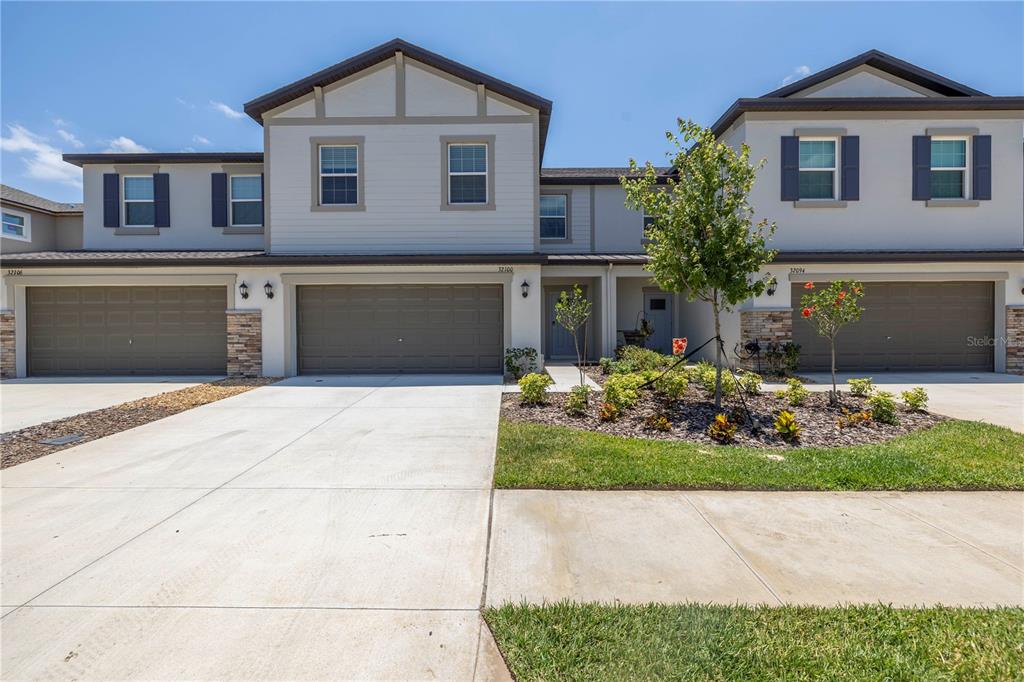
(703, 241)
(830, 309)
(572, 311)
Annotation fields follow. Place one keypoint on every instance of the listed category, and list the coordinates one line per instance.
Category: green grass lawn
(696, 642)
(954, 455)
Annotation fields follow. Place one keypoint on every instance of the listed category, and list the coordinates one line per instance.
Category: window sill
(17, 237)
(819, 203)
(336, 208)
(951, 203)
(467, 207)
(240, 229)
(555, 240)
(136, 231)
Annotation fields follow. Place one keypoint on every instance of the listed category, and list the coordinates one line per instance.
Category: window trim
(835, 169)
(965, 193)
(486, 140)
(567, 238)
(315, 143)
(125, 201)
(232, 200)
(26, 226)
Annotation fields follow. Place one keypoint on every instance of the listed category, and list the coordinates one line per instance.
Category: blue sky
(174, 76)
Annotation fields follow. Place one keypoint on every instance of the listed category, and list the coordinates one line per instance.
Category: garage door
(126, 330)
(400, 328)
(907, 326)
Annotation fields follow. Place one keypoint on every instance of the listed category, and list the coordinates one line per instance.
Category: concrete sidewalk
(564, 376)
(748, 547)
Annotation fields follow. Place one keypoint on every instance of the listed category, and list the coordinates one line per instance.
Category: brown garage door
(126, 330)
(400, 328)
(907, 326)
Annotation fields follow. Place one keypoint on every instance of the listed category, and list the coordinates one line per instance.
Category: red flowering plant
(829, 309)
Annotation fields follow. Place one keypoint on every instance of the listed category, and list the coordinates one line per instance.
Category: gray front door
(400, 328)
(907, 326)
(126, 330)
(658, 311)
(560, 343)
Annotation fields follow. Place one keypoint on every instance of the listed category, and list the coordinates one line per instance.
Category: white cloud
(42, 160)
(799, 72)
(126, 145)
(189, 150)
(185, 103)
(226, 110)
(70, 138)
(199, 139)
(60, 123)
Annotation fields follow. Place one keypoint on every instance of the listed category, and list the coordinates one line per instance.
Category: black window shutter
(790, 168)
(162, 199)
(982, 170)
(262, 199)
(111, 200)
(922, 185)
(850, 178)
(219, 199)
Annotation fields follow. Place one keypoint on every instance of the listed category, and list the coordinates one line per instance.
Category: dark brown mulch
(691, 416)
(24, 445)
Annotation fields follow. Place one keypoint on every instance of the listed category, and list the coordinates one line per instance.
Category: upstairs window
(467, 173)
(648, 221)
(339, 175)
(139, 206)
(16, 226)
(818, 168)
(246, 196)
(554, 216)
(949, 168)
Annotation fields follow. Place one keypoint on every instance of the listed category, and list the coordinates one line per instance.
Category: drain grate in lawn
(37, 441)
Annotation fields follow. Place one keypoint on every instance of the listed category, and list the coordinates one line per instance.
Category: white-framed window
(467, 173)
(17, 225)
(949, 167)
(818, 168)
(339, 175)
(554, 216)
(246, 198)
(139, 207)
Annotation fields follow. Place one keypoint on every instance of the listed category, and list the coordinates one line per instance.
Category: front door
(658, 311)
(560, 344)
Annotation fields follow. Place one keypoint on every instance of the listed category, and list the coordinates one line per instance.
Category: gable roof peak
(889, 64)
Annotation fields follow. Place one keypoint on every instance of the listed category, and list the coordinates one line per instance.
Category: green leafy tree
(703, 241)
(829, 310)
(572, 311)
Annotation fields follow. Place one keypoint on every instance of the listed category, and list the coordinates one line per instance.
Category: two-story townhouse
(399, 219)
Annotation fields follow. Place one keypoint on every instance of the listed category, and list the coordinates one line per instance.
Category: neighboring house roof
(889, 64)
(257, 107)
(22, 199)
(166, 157)
(587, 176)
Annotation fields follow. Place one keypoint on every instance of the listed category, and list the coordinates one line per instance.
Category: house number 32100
(504, 268)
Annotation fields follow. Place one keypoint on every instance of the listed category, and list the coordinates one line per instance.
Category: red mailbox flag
(679, 346)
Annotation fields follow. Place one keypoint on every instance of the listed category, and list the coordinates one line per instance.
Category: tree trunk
(835, 393)
(718, 357)
(586, 341)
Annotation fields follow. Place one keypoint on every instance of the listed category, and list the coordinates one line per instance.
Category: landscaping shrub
(787, 427)
(796, 394)
(622, 390)
(577, 400)
(534, 389)
(915, 399)
(883, 407)
(861, 387)
(609, 412)
(750, 383)
(853, 418)
(673, 385)
(637, 359)
(520, 361)
(658, 422)
(722, 429)
(607, 365)
(704, 373)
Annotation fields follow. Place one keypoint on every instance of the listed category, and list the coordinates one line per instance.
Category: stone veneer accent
(1015, 339)
(766, 326)
(245, 343)
(8, 359)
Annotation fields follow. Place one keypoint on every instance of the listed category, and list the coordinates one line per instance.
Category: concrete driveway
(27, 402)
(978, 396)
(316, 528)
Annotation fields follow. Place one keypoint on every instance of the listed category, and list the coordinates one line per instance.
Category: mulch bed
(691, 416)
(24, 445)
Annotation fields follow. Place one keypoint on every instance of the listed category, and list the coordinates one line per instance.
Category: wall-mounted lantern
(268, 289)
(772, 286)
(243, 289)
(525, 286)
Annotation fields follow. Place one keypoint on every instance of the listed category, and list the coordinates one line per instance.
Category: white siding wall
(617, 229)
(886, 217)
(371, 95)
